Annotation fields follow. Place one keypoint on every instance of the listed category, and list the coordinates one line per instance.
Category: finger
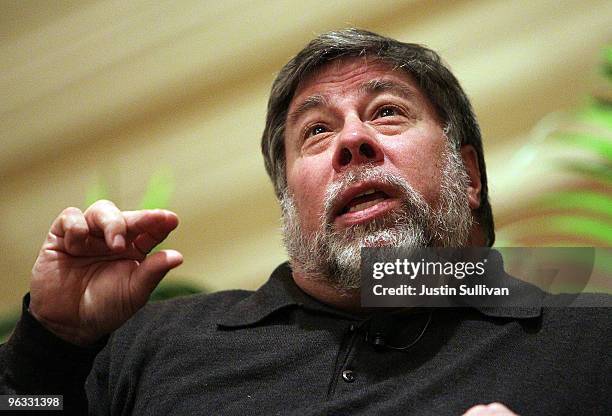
(150, 272)
(69, 228)
(105, 217)
(144, 243)
(150, 227)
(64, 220)
(76, 230)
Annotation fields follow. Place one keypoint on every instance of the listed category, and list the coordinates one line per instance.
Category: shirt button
(348, 376)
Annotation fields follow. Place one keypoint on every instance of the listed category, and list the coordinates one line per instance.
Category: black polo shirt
(277, 351)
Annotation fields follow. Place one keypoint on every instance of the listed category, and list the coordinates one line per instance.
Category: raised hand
(94, 271)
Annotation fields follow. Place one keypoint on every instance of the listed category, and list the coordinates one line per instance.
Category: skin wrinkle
(378, 86)
(372, 87)
(311, 103)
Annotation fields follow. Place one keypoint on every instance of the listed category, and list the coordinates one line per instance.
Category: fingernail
(173, 256)
(118, 241)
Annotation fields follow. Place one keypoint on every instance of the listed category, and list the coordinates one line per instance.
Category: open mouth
(364, 201)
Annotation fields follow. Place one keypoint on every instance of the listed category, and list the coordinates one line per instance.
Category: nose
(356, 146)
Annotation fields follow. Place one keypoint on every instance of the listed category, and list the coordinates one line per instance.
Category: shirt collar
(531, 296)
(281, 292)
(522, 312)
(277, 293)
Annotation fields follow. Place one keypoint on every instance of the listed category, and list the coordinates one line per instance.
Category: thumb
(150, 272)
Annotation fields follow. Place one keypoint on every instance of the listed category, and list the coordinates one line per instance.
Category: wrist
(69, 334)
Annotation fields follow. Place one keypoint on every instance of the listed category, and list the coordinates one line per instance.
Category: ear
(470, 161)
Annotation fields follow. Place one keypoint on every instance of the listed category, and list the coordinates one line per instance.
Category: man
(369, 142)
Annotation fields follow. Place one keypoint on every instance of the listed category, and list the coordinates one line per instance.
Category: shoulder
(196, 304)
(582, 319)
(578, 308)
(188, 313)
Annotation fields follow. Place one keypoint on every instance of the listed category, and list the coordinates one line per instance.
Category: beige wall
(119, 90)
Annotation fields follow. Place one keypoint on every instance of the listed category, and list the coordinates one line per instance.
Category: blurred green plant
(577, 146)
(576, 211)
(7, 323)
(157, 195)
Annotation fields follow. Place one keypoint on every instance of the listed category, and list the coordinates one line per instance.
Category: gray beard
(335, 255)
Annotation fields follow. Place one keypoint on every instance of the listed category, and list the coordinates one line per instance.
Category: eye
(387, 111)
(316, 129)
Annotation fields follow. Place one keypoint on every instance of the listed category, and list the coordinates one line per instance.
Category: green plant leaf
(607, 64)
(7, 323)
(607, 54)
(159, 190)
(596, 172)
(586, 141)
(172, 290)
(597, 112)
(595, 202)
(578, 225)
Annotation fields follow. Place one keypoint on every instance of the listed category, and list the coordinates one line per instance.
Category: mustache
(372, 173)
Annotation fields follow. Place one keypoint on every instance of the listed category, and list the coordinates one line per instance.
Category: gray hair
(424, 65)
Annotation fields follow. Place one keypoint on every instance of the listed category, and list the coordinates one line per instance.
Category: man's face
(367, 162)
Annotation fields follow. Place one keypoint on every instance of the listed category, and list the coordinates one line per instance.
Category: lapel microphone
(378, 326)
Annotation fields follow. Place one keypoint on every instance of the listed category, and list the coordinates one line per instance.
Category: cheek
(419, 160)
(307, 180)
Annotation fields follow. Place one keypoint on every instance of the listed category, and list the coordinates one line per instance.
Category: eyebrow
(310, 103)
(377, 86)
(374, 86)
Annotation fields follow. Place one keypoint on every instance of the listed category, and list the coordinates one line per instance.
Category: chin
(386, 232)
(378, 241)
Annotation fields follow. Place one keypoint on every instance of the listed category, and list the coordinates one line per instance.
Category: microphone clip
(377, 328)
(377, 340)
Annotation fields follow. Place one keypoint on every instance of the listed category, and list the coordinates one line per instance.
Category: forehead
(343, 75)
